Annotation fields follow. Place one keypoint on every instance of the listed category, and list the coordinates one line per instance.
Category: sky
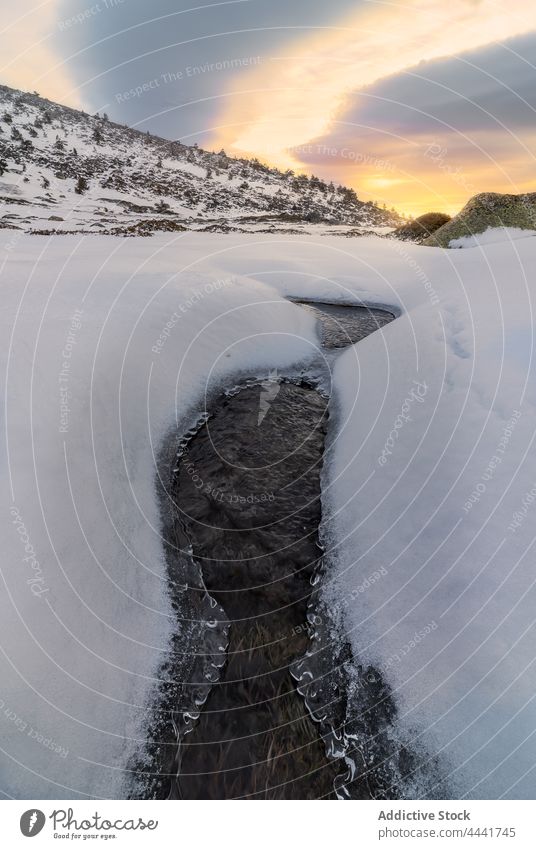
(418, 104)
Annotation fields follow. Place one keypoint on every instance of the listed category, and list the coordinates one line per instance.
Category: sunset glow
(353, 100)
(300, 97)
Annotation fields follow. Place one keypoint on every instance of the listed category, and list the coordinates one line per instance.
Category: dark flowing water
(249, 485)
(279, 714)
(342, 325)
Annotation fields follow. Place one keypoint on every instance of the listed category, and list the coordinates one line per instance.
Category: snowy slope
(437, 422)
(431, 479)
(136, 183)
(491, 236)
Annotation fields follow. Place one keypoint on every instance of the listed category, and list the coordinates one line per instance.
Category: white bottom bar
(265, 825)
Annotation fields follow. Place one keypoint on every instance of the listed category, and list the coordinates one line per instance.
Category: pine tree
(81, 186)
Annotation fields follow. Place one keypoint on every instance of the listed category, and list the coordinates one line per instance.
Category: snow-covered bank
(108, 343)
(436, 429)
(88, 401)
(491, 236)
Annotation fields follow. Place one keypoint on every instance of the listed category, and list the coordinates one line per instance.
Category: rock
(485, 210)
(421, 228)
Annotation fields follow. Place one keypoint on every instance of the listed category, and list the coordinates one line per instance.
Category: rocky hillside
(63, 171)
(484, 211)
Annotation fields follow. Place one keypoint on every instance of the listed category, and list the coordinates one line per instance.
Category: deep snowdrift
(109, 343)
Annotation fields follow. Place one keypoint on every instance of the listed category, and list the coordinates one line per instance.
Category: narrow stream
(273, 715)
(250, 485)
(342, 325)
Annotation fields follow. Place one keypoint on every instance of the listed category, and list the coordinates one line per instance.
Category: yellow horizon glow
(432, 192)
(290, 101)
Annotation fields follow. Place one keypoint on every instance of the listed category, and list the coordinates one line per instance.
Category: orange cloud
(296, 98)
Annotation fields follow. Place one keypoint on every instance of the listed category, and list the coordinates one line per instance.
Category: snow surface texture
(431, 479)
(491, 236)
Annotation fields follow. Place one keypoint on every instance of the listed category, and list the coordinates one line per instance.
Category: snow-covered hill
(62, 171)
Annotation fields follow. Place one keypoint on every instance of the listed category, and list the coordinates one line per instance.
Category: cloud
(28, 57)
(430, 137)
(132, 42)
(299, 96)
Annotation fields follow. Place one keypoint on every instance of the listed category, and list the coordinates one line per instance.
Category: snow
(433, 459)
(444, 394)
(83, 643)
(47, 147)
(491, 236)
(187, 167)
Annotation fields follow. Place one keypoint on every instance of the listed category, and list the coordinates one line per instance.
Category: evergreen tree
(81, 186)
